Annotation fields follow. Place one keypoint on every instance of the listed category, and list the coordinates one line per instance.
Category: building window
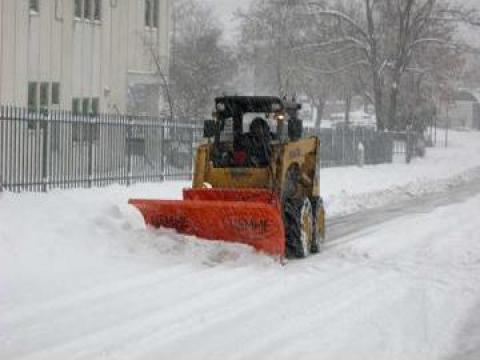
(78, 9)
(32, 96)
(98, 10)
(86, 106)
(87, 9)
(76, 127)
(59, 9)
(44, 90)
(155, 13)
(84, 131)
(151, 13)
(76, 106)
(55, 93)
(95, 106)
(148, 12)
(34, 5)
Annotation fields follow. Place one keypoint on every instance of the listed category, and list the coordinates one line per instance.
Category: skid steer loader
(255, 181)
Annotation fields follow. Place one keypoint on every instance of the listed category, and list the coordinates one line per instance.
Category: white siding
(87, 58)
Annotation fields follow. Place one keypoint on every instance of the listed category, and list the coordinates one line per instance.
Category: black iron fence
(345, 146)
(63, 150)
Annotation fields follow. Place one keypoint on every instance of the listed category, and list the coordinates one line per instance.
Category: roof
(245, 104)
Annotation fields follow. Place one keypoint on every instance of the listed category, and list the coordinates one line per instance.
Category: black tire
(292, 179)
(299, 227)
(319, 236)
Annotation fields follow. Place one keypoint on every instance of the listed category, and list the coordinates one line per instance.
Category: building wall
(90, 59)
(461, 114)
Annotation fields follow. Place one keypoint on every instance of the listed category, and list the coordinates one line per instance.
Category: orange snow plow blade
(250, 217)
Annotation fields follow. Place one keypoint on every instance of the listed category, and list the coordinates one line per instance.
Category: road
(400, 282)
(342, 226)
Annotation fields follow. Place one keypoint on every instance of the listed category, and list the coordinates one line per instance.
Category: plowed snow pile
(81, 277)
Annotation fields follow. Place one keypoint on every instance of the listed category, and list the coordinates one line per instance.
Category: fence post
(44, 125)
(162, 151)
(334, 154)
(354, 145)
(90, 153)
(192, 149)
(408, 150)
(129, 151)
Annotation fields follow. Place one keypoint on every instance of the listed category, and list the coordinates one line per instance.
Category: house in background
(87, 56)
(462, 111)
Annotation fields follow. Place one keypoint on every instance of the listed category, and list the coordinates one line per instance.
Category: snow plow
(255, 181)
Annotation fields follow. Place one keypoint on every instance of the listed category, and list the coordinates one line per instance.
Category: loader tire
(299, 229)
(318, 225)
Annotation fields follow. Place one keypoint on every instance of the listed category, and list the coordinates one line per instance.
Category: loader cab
(247, 130)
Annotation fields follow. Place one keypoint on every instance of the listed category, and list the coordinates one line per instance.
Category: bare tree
(202, 66)
(278, 46)
(387, 35)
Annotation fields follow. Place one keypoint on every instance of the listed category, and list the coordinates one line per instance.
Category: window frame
(156, 14)
(148, 13)
(32, 96)
(87, 10)
(77, 131)
(78, 9)
(76, 108)
(95, 106)
(86, 106)
(152, 14)
(97, 10)
(55, 94)
(34, 6)
(44, 97)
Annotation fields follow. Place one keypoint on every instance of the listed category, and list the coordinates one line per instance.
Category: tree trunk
(392, 111)
(378, 98)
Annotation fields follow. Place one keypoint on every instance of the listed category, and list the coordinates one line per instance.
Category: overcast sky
(226, 8)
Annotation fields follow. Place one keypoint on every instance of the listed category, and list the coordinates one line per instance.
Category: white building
(84, 55)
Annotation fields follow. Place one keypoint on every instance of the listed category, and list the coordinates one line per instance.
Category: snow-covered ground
(81, 278)
(352, 189)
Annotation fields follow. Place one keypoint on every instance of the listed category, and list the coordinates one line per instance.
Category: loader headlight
(220, 107)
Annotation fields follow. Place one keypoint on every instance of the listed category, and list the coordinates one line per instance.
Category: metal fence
(63, 150)
(39, 151)
(342, 146)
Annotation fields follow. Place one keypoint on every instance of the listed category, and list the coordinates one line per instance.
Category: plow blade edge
(250, 217)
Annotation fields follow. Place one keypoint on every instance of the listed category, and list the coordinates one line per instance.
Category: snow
(81, 277)
(350, 189)
(225, 10)
(357, 118)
